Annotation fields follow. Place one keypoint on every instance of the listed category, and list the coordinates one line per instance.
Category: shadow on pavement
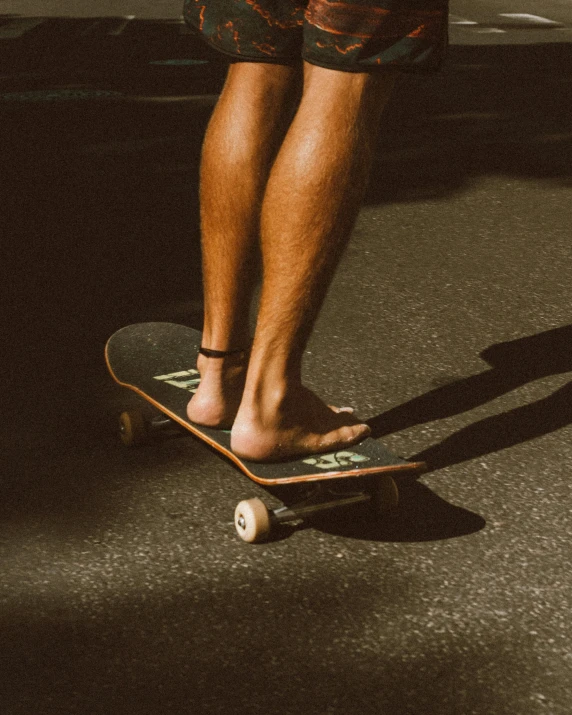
(99, 200)
(495, 110)
(207, 650)
(513, 364)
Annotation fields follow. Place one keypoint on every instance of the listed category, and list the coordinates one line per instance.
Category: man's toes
(342, 409)
(359, 432)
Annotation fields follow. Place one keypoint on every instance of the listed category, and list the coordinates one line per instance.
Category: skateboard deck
(158, 362)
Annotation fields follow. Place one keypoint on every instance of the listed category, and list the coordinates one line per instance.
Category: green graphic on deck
(335, 460)
(185, 379)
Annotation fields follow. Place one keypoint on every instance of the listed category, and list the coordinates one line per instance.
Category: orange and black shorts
(347, 35)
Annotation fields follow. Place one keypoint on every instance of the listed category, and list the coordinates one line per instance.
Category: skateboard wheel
(252, 520)
(132, 428)
(384, 495)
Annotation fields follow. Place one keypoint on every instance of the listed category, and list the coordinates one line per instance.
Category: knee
(265, 80)
(347, 98)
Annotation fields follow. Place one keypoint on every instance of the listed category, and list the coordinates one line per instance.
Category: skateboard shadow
(421, 516)
(513, 365)
(424, 516)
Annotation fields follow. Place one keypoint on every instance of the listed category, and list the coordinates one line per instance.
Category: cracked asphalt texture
(124, 588)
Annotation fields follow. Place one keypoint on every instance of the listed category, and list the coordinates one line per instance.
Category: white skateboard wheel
(252, 520)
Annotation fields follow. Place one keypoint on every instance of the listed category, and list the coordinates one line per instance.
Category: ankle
(225, 366)
(218, 338)
(268, 395)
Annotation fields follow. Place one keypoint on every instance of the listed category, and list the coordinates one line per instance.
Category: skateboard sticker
(191, 383)
(336, 459)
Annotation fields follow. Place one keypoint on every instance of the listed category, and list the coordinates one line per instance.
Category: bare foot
(218, 396)
(300, 425)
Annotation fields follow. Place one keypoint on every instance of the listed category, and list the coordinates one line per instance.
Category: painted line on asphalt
(120, 25)
(53, 95)
(456, 20)
(530, 19)
(508, 21)
(17, 28)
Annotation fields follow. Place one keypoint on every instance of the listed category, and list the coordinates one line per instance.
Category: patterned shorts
(348, 35)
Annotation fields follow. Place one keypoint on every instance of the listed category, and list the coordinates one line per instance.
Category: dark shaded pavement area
(124, 589)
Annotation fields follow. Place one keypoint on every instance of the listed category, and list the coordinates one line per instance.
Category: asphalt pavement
(124, 588)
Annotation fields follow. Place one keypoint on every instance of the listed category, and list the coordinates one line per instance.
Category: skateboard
(158, 362)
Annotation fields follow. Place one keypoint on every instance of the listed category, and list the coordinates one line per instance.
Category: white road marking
(456, 20)
(531, 19)
(16, 28)
(121, 25)
(518, 18)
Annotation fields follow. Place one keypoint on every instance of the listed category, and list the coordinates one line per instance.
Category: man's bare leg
(241, 142)
(312, 198)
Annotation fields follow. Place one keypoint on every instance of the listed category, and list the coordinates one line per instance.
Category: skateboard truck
(254, 521)
(134, 429)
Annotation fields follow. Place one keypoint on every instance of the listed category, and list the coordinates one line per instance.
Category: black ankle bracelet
(219, 353)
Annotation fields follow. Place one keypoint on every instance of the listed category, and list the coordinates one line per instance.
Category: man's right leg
(244, 134)
(312, 198)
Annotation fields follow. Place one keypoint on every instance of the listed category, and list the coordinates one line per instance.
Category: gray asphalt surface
(124, 588)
